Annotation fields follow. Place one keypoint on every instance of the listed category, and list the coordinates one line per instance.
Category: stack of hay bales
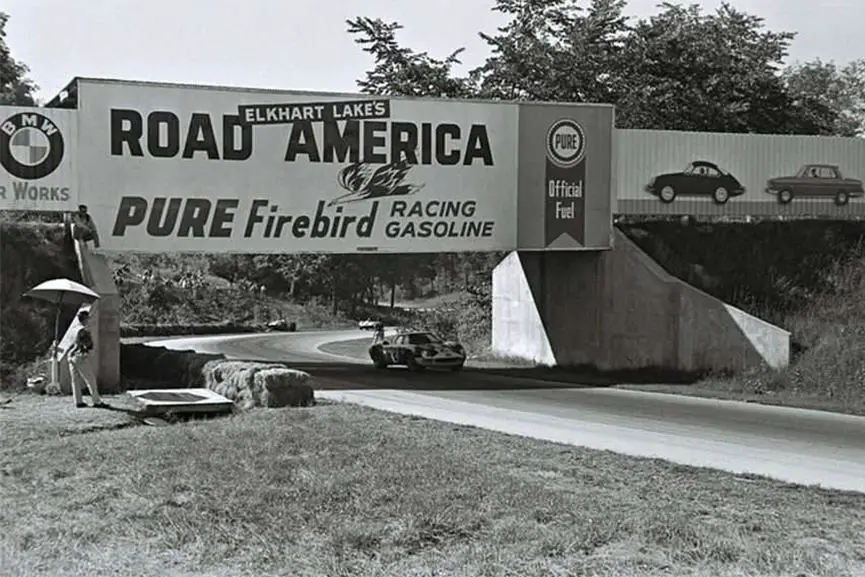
(259, 384)
(247, 384)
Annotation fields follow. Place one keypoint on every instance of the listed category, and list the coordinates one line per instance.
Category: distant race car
(417, 350)
(700, 178)
(282, 325)
(816, 181)
(367, 325)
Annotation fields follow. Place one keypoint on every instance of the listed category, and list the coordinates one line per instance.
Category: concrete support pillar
(105, 319)
(106, 333)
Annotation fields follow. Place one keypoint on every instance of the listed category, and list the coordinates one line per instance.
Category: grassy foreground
(339, 490)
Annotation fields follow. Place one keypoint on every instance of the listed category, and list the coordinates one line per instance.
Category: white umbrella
(61, 291)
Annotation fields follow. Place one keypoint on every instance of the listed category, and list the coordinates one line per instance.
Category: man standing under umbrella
(79, 364)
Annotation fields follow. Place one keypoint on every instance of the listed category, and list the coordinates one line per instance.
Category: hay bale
(216, 376)
(194, 373)
(282, 387)
(251, 384)
(231, 378)
(244, 400)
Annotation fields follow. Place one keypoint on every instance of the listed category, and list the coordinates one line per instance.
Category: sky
(303, 44)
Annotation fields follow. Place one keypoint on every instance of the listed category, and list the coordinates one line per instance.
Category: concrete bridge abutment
(618, 310)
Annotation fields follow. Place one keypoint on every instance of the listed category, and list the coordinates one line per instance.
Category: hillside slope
(806, 276)
(771, 269)
(171, 292)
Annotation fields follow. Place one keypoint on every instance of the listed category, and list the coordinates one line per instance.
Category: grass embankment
(30, 253)
(340, 490)
(808, 277)
(828, 371)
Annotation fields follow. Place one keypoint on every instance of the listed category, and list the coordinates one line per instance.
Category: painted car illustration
(417, 350)
(700, 178)
(816, 181)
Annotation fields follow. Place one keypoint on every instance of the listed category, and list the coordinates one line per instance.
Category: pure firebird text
(205, 218)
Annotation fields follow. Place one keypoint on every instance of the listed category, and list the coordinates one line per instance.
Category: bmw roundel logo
(566, 143)
(31, 145)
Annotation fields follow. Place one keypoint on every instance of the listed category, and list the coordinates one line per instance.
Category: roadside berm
(619, 310)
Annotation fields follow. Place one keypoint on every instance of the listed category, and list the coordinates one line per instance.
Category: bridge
(167, 167)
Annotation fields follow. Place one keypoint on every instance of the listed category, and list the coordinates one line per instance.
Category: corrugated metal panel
(751, 159)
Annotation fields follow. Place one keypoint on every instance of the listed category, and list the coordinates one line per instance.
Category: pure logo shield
(565, 185)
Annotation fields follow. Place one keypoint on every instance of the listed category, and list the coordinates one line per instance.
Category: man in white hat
(79, 365)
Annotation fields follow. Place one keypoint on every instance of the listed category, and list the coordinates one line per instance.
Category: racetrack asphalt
(794, 445)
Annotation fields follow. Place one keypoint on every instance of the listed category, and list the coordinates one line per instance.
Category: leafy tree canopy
(681, 69)
(15, 87)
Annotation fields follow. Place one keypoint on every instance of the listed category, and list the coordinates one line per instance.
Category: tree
(678, 70)
(401, 71)
(15, 87)
(684, 70)
(554, 50)
(302, 272)
(390, 272)
(838, 92)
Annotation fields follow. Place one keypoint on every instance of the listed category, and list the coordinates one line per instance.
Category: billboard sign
(177, 168)
(566, 185)
(37, 159)
(715, 174)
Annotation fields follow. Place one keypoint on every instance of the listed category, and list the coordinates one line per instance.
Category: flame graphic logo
(364, 183)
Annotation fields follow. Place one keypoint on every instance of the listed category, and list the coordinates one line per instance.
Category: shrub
(468, 319)
(317, 314)
(830, 334)
(164, 306)
(771, 269)
(160, 303)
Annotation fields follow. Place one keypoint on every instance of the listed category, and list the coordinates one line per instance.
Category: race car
(368, 325)
(281, 325)
(417, 350)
